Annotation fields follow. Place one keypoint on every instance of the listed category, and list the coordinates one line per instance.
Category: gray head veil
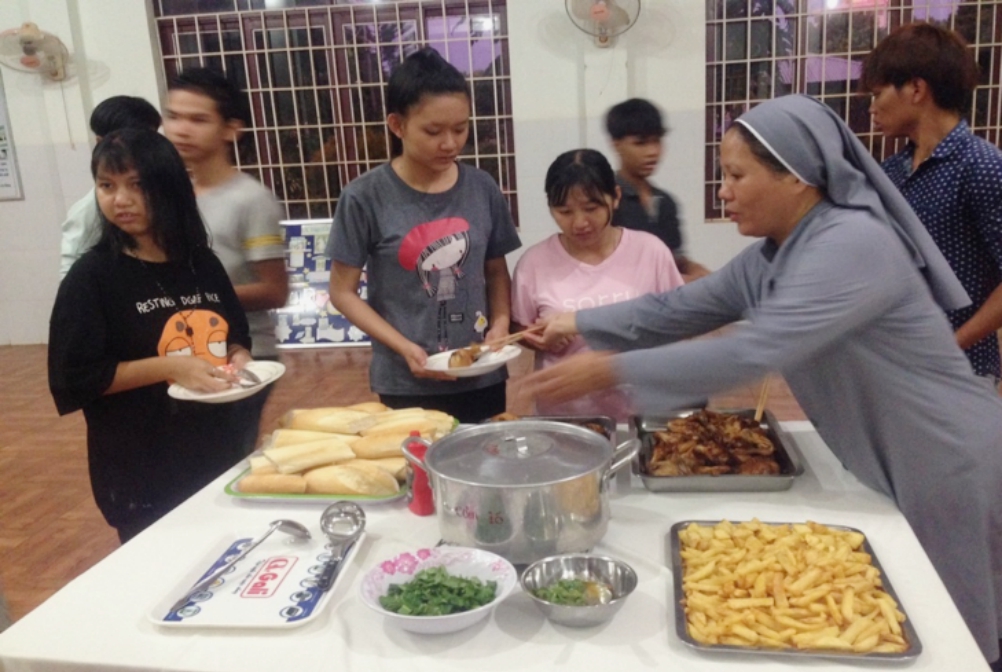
(819, 149)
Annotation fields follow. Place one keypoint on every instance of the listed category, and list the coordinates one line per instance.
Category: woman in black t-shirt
(148, 305)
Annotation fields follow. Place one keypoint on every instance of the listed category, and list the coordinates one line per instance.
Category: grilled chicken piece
(759, 466)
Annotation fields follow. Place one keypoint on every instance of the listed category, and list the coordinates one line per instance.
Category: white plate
(273, 587)
(267, 371)
(458, 561)
(492, 361)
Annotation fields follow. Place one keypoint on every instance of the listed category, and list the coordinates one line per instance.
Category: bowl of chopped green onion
(438, 590)
(579, 589)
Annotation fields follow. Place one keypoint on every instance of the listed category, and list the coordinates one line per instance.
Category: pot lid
(518, 453)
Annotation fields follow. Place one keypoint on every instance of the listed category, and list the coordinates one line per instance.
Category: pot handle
(622, 457)
(411, 457)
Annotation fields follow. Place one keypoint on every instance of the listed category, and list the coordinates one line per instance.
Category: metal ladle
(343, 523)
(297, 530)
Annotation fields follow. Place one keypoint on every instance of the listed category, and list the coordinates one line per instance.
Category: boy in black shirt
(637, 130)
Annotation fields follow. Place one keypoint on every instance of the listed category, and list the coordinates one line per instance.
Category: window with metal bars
(315, 73)
(760, 49)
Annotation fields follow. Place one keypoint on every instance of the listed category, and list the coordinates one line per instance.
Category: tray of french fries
(785, 589)
(342, 453)
(698, 450)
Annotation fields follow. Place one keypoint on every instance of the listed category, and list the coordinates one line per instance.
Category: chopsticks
(762, 396)
(511, 338)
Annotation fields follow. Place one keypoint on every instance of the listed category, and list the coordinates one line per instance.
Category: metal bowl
(616, 574)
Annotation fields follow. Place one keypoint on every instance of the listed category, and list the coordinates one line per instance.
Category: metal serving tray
(790, 464)
(607, 424)
(673, 548)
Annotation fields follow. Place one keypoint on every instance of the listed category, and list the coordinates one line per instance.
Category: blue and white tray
(273, 587)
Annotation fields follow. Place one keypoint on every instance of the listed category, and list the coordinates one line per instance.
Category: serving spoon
(343, 523)
(297, 530)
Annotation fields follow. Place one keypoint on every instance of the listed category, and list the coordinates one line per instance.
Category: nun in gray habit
(848, 305)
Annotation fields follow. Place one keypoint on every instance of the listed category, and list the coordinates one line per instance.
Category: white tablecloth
(99, 621)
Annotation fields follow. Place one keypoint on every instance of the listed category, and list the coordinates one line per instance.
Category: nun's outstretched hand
(572, 378)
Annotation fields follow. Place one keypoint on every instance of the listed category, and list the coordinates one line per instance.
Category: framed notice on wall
(10, 182)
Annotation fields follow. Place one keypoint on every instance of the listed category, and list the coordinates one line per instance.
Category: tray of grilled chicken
(699, 450)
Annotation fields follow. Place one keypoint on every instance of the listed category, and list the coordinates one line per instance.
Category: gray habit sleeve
(807, 297)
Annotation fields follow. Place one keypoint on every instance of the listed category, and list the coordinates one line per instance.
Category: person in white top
(204, 116)
(82, 227)
(589, 263)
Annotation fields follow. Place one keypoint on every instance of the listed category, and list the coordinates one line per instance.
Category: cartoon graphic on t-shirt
(197, 332)
(480, 326)
(437, 251)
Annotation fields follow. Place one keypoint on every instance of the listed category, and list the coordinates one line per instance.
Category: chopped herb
(575, 592)
(435, 592)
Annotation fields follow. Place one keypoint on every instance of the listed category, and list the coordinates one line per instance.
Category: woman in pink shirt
(589, 263)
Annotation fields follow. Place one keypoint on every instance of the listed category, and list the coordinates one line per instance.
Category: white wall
(113, 55)
(561, 85)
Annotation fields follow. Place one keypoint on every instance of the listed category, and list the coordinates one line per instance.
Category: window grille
(761, 49)
(315, 73)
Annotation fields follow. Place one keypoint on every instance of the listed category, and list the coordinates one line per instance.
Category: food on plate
(302, 456)
(464, 357)
(369, 407)
(394, 466)
(337, 420)
(575, 592)
(273, 484)
(287, 437)
(505, 417)
(436, 592)
(709, 443)
(374, 463)
(343, 479)
(801, 586)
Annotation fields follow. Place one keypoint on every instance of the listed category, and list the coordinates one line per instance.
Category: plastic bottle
(421, 501)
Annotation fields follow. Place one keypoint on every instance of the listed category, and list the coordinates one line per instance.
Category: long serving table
(99, 621)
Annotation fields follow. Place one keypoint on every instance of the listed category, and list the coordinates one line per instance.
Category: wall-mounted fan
(32, 50)
(603, 19)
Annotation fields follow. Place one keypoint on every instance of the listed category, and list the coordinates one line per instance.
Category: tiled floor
(50, 529)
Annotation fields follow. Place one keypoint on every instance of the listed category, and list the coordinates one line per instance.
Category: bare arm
(189, 371)
(988, 319)
(344, 296)
(498, 297)
(270, 288)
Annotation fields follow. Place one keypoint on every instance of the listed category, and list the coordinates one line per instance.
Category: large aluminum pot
(524, 489)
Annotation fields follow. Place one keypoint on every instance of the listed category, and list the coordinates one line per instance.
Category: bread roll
(291, 484)
(288, 437)
(340, 479)
(259, 464)
(336, 420)
(370, 407)
(395, 466)
(407, 424)
(303, 456)
(380, 445)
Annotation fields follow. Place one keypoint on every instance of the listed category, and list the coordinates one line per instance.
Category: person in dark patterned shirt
(922, 78)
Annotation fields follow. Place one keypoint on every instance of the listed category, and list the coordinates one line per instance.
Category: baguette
(336, 420)
(292, 484)
(288, 437)
(406, 424)
(369, 407)
(341, 479)
(302, 456)
(395, 466)
(380, 445)
(259, 464)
